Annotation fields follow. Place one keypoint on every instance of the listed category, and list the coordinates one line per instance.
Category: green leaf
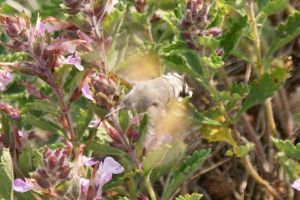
(124, 119)
(285, 33)
(62, 73)
(41, 123)
(113, 21)
(274, 6)
(6, 175)
(287, 147)
(104, 149)
(234, 31)
(119, 179)
(297, 117)
(165, 4)
(83, 117)
(140, 20)
(5, 126)
(13, 57)
(193, 196)
(143, 130)
(264, 88)
(240, 151)
(289, 165)
(218, 134)
(41, 105)
(112, 56)
(25, 161)
(208, 42)
(177, 55)
(72, 83)
(213, 61)
(186, 170)
(201, 118)
(170, 19)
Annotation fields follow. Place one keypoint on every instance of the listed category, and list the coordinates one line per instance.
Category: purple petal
(84, 36)
(104, 178)
(296, 185)
(39, 28)
(86, 91)
(5, 78)
(111, 166)
(85, 183)
(88, 161)
(22, 186)
(76, 61)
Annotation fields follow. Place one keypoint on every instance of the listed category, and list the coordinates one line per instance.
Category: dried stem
(250, 169)
(287, 119)
(251, 133)
(247, 164)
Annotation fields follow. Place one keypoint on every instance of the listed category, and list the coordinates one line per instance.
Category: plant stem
(149, 187)
(256, 37)
(287, 118)
(250, 169)
(65, 112)
(268, 104)
(270, 117)
(246, 163)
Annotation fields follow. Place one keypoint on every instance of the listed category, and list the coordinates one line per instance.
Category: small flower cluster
(13, 113)
(102, 174)
(195, 23)
(55, 170)
(60, 167)
(46, 51)
(101, 88)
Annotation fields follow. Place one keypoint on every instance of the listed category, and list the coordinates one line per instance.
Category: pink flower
(5, 78)
(86, 91)
(84, 36)
(103, 175)
(74, 60)
(296, 185)
(215, 31)
(39, 29)
(88, 161)
(85, 183)
(22, 186)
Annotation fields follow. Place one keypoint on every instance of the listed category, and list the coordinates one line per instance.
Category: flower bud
(114, 134)
(133, 134)
(42, 182)
(215, 31)
(220, 52)
(11, 111)
(42, 173)
(142, 197)
(33, 91)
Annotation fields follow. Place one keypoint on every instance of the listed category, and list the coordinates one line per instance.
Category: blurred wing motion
(166, 125)
(139, 68)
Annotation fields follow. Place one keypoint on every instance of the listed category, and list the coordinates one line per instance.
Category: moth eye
(155, 104)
